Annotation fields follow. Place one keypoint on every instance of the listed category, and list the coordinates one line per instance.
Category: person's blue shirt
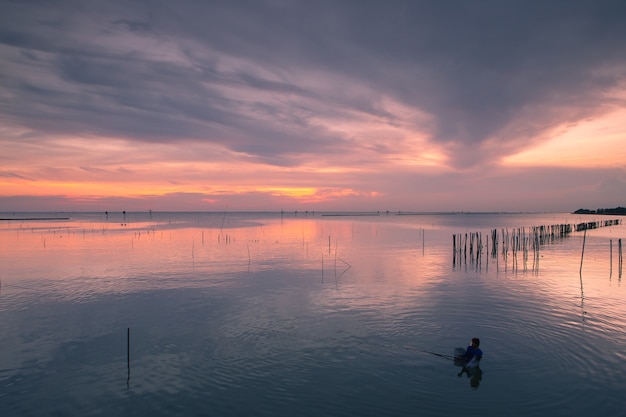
(473, 352)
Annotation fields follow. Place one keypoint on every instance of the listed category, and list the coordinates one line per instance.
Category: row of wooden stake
(469, 246)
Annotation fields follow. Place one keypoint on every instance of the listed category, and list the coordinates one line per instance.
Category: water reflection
(475, 375)
(250, 315)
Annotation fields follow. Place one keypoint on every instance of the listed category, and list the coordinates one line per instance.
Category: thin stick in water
(619, 243)
(582, 255)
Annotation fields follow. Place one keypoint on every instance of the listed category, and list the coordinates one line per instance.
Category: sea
(311, 314)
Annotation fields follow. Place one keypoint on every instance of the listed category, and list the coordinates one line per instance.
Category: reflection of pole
(128, 353)
(582, 294)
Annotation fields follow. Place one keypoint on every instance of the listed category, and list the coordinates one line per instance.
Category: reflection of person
(476, 375)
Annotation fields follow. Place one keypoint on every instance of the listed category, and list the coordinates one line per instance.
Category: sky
(344, 105)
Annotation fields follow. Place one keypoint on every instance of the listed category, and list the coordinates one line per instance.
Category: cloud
(541, 189)
(269, 78)
(11, 174)
(414, 103)
(610, 190)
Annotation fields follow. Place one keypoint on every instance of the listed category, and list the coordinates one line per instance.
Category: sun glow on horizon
(592, 143)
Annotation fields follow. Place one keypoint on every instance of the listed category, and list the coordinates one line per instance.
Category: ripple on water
(237, 341)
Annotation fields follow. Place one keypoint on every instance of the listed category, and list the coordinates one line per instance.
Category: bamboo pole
(619, 243)
(582, 255)
(610, 257)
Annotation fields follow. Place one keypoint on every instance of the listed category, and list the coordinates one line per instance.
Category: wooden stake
(619, 243)
(582, 255)
(611, 257)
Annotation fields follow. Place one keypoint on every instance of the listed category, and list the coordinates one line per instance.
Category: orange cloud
(592, 143)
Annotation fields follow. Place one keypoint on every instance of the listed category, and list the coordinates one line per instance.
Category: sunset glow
(124, 108)
(594, 143)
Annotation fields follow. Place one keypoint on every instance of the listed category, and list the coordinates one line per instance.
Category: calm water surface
(263, 314)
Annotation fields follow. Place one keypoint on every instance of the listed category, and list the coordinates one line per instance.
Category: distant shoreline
(620, 211)
(32, 216)
(37, 218)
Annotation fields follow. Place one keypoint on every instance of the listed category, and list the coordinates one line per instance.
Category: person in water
(472, 357)
(473, 354)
